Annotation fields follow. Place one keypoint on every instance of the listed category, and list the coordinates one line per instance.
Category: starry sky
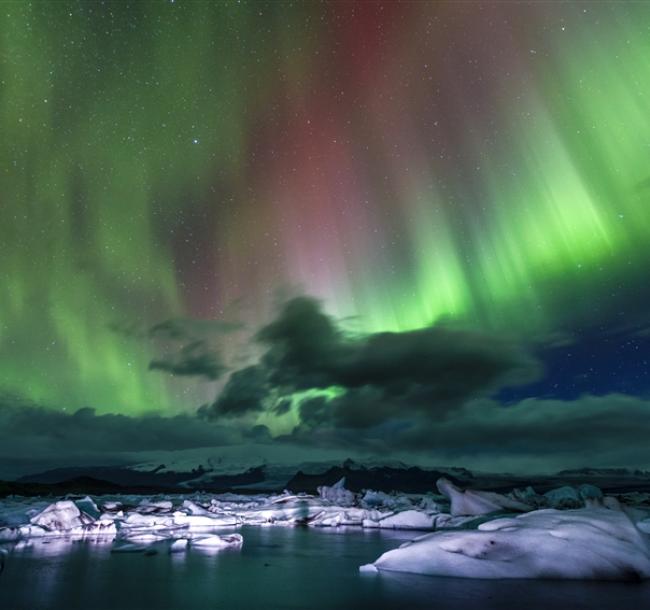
(262, 217)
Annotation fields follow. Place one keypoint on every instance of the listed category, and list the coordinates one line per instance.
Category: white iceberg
(206, 520)
(218, 542)
(584, 543)
(335, 516)
(135, 519)
(149, 506)
(476, 503)
(61, 516)
(337, 494)
(405, 520)
(178, 546)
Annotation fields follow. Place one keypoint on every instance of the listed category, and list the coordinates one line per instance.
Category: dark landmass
(122, 477)
(115, 480)
(414, 480)
(83, 485)
(112, 480)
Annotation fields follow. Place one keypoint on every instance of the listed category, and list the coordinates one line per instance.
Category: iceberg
(564, 497)
(87, 505)
(207, 520)
(476, 503)
(218, 542)
(178, 546)
(587, 543)
(61, 516)
(405, 520)
(160, 506)
(337, 494)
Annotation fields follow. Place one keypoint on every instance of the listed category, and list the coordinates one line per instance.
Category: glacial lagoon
(276, 567)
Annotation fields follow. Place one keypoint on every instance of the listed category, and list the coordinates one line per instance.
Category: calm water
(276, 568)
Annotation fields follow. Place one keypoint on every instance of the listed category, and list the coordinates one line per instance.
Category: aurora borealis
(172, 172)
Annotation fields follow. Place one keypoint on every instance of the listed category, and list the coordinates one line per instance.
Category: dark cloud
(195, 356)
(547, 435)
(425, 392)
(384, 375)
(196, 359)
(303, 345)
(244, 393)
(36, 434)
(258, 434)
(85, 429)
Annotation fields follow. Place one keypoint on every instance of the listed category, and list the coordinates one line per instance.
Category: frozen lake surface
(277, 567)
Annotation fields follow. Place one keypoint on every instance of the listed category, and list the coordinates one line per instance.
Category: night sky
(412, 230)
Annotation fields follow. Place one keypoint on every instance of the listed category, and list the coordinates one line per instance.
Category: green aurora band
(487, 163)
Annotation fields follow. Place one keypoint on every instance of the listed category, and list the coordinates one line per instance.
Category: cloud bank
(424, 372)
(426, 394)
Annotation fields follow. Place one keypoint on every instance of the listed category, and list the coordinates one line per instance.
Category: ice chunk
(447, 521)
(564, 497)
(336, 515)
(111, 506)
(194, 509)
(160, 506)
(590, 492)
(218, 542)
(428, 504)
(477, 502)
(529, 497)
(376, 499)
(88, 506)
(101, 527)
(139, 520)
(408, 519)
(575, 544)
(337, 494)
(60, 516)
(178, 546)
(207, 520)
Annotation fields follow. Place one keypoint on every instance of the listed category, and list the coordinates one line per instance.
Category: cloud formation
(244, 393)
(380, 376)
(196, 359)
(419, 393)
(543, 435)
(530, 436)
(25, 428)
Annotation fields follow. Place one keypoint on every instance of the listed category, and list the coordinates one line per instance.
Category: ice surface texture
(587, 543)
(478, 534)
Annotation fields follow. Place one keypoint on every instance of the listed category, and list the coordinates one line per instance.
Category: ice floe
(573, 544)
(474, 503)
(568, 532)
(337, 494)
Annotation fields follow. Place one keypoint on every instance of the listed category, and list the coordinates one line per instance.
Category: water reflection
(302, 568)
